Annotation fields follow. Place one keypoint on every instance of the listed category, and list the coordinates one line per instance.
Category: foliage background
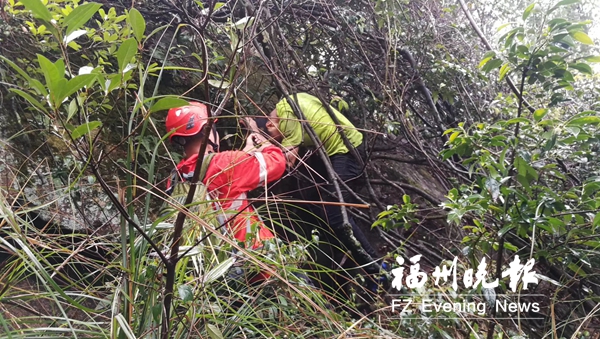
(469, 164)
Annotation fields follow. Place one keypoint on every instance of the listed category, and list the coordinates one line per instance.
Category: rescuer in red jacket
(228, 176)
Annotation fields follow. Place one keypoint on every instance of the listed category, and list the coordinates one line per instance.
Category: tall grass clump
(95, 97)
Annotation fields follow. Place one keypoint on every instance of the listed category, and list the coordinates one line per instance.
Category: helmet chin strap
(182, 141)
(214, 145)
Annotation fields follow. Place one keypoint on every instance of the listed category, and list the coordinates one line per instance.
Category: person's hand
(249, 123)
(258, 138)
(256, 142)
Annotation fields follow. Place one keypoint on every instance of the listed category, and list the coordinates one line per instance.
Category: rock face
(29, 179)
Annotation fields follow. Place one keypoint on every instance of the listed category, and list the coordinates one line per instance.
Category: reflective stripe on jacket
(229, 177)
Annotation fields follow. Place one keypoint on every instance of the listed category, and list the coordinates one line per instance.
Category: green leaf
(38, 9)
(556, 224)
(518, 120)
(592, 59)
(582, 67)
(490, 54)
(126, 329)
(590, 188)
(528, 10)
(342, 105)
(525, 173)
(551, 141)
(563, 74)
(30, 99)
(72, 109)
(504, 70)
(406, 198)
(510, 37)
(556, 22)
(443, 333)
(563, 3)
(584, 121)
(138, 24)
(56, 97)
(574, 131)
(126, 51)
(80, 15)
(156, 312)
(566, 2)
(582, 37)
(447, 153)
(76, 84)
(547, 228)
(51, 74)
(60, 68)
(596, 221)
(563, 39)
(576, 269)
(484, 61)
(218, 271)
(54, 73)
(492, 64)
(539, 114)
(453, 136)
(218, 5)
(185, 292)
(16, 68)
(114, 81)
(585, 114)
(85, 129)
(503, 26)
(510, 247)
(35, 84)
(219, 83)
(168, 103)
(214, 332)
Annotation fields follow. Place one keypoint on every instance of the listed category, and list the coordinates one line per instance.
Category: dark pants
(350, 171)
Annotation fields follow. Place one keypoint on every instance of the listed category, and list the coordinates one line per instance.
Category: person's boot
(304, 278)
(383, 281)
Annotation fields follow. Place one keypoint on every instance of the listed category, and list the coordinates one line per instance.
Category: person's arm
(274, 161)
(250, 123)
(290, 128)
(243, 172)
(255, 142)
(291, 155)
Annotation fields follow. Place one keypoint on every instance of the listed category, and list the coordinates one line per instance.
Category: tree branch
(511, 84)
(347, 235)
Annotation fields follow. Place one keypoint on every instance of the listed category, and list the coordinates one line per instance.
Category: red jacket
(229, 177)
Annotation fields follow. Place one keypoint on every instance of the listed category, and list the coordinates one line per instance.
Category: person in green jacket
(283, 126)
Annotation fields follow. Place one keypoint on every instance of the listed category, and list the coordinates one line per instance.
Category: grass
(52, 286)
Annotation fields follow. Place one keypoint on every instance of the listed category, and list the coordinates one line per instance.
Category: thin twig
(323, 203)
(347, 234)
(489, 47)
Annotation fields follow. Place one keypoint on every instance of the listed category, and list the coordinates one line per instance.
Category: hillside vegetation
(482, 126)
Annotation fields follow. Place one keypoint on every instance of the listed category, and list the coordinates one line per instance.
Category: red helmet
(186, 120)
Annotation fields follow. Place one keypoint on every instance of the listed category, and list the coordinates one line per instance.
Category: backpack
(206, 207)
(200, 205)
